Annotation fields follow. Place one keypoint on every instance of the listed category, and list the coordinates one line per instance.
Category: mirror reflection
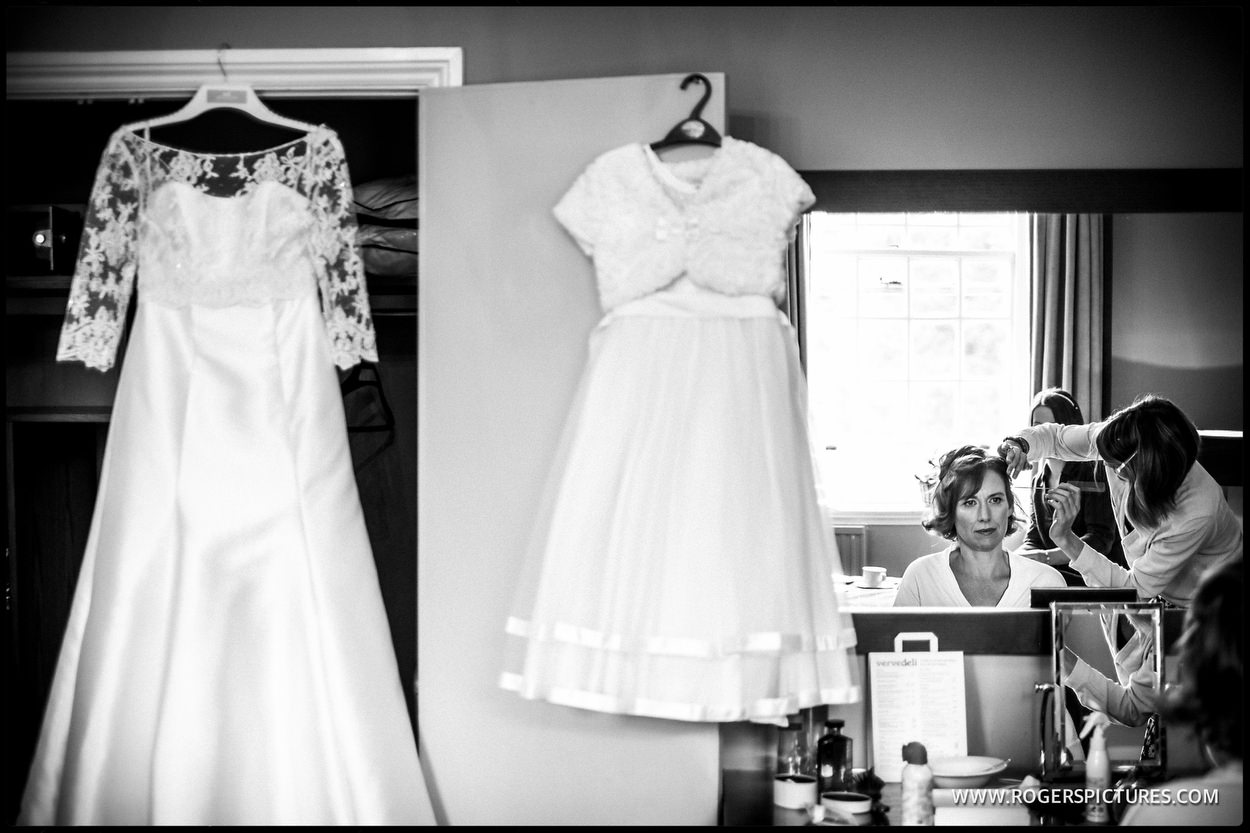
(1106, 661)
(1185, 345)
(1172, 520)
(971, 504)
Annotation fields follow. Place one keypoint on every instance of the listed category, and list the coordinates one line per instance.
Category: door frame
(375, 72)
(348, 73)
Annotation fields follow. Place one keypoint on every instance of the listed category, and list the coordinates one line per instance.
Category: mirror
(1163, 223)
(1110, 654)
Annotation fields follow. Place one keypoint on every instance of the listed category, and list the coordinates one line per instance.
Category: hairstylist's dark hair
(1165, 443)
(1212, 654)
(1061, 403)
(960, 474)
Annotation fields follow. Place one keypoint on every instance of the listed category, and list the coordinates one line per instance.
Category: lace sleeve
(104, 276)
(336, 255)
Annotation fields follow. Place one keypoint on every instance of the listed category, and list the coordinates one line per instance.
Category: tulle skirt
(682, 565)
(227, 658)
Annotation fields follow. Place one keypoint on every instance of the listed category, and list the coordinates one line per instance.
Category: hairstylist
(1173, 520)
(1095, 521)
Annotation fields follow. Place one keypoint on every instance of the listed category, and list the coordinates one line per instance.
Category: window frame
(1019, 317)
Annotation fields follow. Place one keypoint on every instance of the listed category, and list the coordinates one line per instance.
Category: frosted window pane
(883, 349)
(934, 287)
(986, 287)
(988, 239)
(985, 410)
(985, 348)
(879, 237)
(833, 285)
(934, 408)
(920, 237)
(883, 287)
(934, 350)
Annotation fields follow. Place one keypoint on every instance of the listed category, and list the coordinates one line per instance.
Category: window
(917, 341)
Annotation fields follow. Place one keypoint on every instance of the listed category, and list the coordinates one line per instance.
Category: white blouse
(929, 582)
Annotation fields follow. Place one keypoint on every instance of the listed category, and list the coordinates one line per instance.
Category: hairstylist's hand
(1017, 460)
(1065, 500)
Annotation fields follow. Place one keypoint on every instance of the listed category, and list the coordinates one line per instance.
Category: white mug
(873, 576)
(794, 792)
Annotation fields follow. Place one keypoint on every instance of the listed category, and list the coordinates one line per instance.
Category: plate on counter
(887, 584)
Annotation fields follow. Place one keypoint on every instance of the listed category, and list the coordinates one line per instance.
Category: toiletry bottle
(1097, 779)
(917, 786)
(833, 758)
(790, 748)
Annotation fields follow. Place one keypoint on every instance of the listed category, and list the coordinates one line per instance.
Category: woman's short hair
(1212, 654)
(1061, 403)
(1163, 444)
(961, 472)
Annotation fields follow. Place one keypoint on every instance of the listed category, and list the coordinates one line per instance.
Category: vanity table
(747, 801)
(853, 595)
(1006, 654)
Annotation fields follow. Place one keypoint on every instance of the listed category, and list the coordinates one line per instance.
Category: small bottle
(791, 749)
(833, 758)
(794, 786)
(1097, 779)
(917, 786)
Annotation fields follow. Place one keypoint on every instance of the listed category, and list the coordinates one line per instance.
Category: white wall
(1177, 326)
(507, 304)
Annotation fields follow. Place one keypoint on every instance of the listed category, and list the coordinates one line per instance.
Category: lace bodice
(218, 230)
(723, 221)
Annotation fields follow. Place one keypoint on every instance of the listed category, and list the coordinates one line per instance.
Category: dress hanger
(355, 380)
(213, 96)
(225, 94)
(692, 130)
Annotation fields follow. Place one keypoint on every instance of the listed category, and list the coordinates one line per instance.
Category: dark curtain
(1068, 337)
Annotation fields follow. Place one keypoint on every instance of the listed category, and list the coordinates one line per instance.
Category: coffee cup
(873, 576)
(794, 792)
(846, 802)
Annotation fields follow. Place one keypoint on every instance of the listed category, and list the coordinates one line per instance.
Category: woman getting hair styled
(973, 507)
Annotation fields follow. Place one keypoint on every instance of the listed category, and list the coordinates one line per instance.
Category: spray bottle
(917, 785)
(1097, 770)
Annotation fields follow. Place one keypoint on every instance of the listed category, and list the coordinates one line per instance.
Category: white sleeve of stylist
(1064, 442)
(1128, 705)
(1169, 550)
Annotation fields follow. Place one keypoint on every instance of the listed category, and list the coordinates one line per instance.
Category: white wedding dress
(227, 658)
(681, 565)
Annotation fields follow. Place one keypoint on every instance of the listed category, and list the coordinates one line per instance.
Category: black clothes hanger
(363, 377)
(692, 130)
(355, 380)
